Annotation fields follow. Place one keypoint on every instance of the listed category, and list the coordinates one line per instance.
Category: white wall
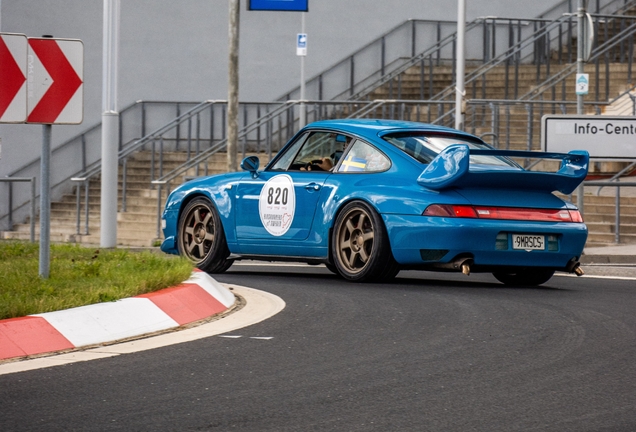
(177, 50)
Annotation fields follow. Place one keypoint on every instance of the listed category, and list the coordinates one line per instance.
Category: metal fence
(198, 129)
(426, 44)
(617, 202)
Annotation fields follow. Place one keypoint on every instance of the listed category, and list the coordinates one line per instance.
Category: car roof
(373, 128)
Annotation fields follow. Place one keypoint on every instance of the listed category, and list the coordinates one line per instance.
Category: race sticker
(277, 204)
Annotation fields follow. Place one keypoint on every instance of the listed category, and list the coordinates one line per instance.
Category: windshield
(424, 147)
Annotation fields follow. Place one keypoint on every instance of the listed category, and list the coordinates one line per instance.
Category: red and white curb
(197, 298)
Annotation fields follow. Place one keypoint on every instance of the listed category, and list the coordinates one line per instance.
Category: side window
(318, 151)
(363, 157)
(283, 163)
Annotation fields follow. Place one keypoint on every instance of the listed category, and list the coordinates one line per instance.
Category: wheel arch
(199, 193)
(341, 205)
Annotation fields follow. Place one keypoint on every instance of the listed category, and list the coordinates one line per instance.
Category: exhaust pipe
(574, 266)
(578, 270)
(466, 269)
(463, 264)
(459, 264)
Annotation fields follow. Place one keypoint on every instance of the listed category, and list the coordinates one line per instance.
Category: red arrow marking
(65, 81)
(12, 77)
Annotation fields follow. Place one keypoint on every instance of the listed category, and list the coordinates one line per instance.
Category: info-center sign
(41, 80)
(604, 137)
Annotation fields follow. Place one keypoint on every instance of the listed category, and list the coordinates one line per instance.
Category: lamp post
(460, 93)
(233, 87)
(110, 125)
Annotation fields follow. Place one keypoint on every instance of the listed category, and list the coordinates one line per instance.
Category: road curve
(428, 352)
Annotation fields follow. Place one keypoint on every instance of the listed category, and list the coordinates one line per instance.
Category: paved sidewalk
(618, 254)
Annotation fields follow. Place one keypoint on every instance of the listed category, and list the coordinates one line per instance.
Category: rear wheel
(201, 237)
(524, 277)
(360, 245)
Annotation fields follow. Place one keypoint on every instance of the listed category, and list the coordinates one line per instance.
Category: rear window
(424, 147)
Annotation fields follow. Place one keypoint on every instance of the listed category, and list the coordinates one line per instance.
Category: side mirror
(250, 164)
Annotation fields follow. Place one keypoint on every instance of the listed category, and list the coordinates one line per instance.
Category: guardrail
(617, 212)
(12, 180)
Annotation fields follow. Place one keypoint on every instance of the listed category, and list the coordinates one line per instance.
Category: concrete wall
(177, 50)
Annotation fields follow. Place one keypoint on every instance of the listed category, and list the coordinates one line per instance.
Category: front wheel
(524, 277)
(360, 245)
(201, 238)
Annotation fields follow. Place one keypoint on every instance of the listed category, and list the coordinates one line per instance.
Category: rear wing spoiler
(452, 169)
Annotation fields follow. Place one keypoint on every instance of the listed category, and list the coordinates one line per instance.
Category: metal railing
(617, 202)
(267, 126)
(82, 152)
(10, 181)
(431, 43)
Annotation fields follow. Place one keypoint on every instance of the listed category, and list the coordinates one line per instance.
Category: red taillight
(448, 210)
(503, 213)
(576, 216)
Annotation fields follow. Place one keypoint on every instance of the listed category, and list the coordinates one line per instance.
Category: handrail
(201, 157)
(571, 69)
(11, 180)
(617, 203)
(136, 145)
(377, 40)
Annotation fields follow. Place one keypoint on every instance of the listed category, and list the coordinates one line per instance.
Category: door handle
(312, 186)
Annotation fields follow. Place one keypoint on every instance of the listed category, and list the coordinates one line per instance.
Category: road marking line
(598, 277)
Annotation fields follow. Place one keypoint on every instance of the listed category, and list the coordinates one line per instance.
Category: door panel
(266, 208)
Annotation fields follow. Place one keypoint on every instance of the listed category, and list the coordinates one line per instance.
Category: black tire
(201, 237)
(332, 268)
(524, 277)
(360, 245)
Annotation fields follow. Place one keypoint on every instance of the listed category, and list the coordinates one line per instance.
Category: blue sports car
(368, 198)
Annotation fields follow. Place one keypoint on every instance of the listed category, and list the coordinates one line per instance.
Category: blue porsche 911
(368, 198)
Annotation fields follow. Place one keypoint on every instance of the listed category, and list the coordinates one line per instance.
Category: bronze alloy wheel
(201, 237)
(355, 240)
(360, 245)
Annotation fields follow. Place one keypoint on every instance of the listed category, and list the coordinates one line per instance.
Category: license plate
(528, 242)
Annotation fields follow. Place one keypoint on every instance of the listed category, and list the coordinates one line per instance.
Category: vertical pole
(32, 221)
(302, 120)
(45, 202)
(110, 125)
(580, 68)
(580, 64)
(617, 228)
(233, 87)
(461, 56)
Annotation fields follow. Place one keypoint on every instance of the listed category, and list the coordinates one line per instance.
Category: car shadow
(405, 279)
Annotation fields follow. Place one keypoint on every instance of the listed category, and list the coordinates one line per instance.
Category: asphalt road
(431, 352)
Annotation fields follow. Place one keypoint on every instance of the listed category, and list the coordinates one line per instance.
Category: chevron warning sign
(13, 65)
(55, 86)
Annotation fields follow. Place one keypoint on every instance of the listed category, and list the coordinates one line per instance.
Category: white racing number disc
(277, 204)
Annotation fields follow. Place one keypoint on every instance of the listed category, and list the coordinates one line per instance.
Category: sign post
(301, 42)
(301, 51)
(55, 95)
(460, 93)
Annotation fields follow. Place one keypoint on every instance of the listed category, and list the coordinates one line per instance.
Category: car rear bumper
(422, 240)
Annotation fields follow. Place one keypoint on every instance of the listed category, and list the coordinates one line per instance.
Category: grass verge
(80, 276)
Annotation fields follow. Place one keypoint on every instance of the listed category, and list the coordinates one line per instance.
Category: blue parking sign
(301, 44)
